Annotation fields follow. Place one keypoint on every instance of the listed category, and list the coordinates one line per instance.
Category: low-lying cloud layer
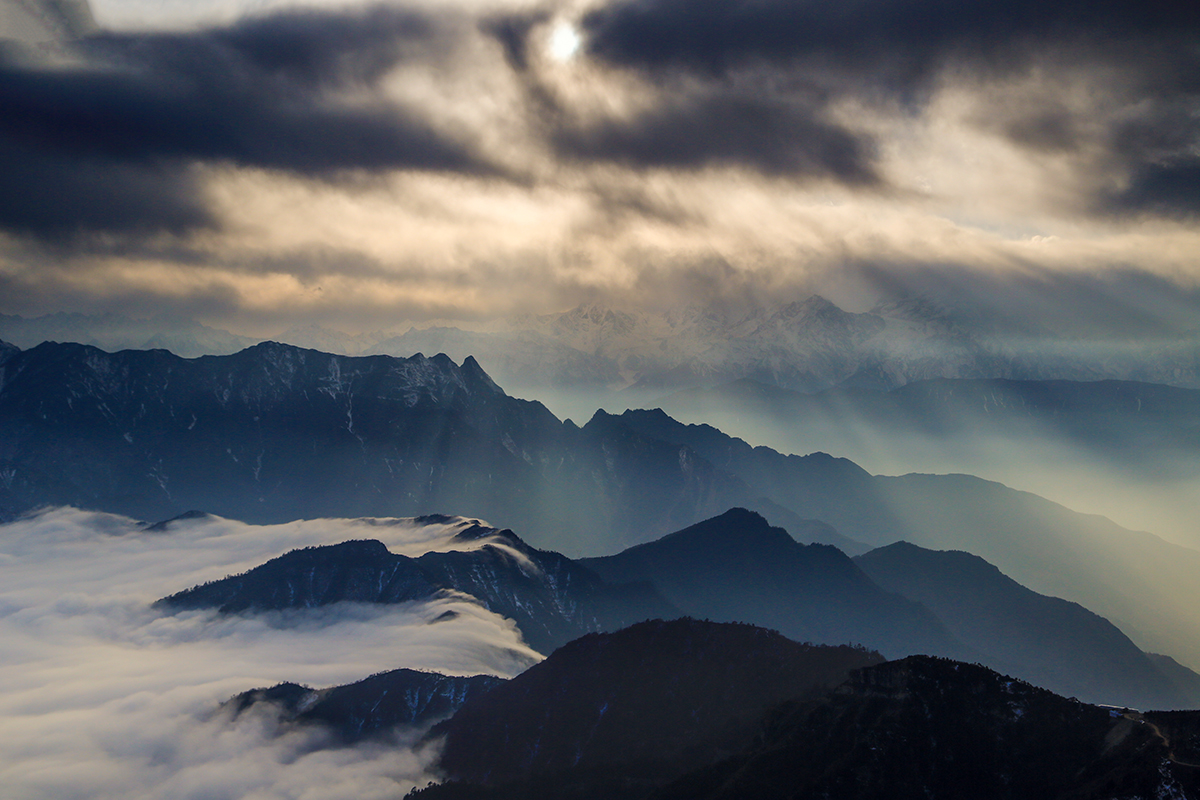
(105, 698)
(362, 165)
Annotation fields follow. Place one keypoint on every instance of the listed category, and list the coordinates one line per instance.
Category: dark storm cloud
(714, 36)
(902, 50)
(110, 145)
(512, 32)
(1042, 303)
(693, 126)
(1162, 189)
(727, 128)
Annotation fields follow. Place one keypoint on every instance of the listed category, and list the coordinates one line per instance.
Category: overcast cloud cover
(103, 697)
(362, 165)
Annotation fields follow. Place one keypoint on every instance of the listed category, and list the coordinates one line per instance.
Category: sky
(256, 164)
(102, 696)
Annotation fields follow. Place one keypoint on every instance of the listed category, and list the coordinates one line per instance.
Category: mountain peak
(666, 694)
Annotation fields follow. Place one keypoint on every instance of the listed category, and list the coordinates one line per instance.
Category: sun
(564, 41)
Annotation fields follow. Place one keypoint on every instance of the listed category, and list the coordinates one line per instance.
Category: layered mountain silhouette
(373, 706)
(1049, 642)
(551, 598)
(1107, 416)
(275, 433)
(899, 600)
(631, 708)
(738, 568)
(1143, 584)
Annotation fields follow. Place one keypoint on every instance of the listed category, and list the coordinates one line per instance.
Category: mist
(1130, 480)
(103, 697)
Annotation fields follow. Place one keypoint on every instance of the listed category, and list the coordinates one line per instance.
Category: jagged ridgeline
(551, 598)
(275, 433)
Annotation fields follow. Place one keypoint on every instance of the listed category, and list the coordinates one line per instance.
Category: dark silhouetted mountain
(275, 433)
(551, 598)
(1187, 682)
(941, 730)
(1052, 643)
(1146, 586)
(374, 705)
(737, 568)
(520, 358)
(806, 531)
(7, 351)
(631, 709)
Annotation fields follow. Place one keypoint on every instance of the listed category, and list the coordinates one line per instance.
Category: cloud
(720, 127)
(909, 34)
(107, 142)
(104, 698)
(371, 167)
(1128, 72)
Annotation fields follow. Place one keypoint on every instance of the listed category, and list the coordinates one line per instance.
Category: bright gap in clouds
(564, 41)
(103, 697)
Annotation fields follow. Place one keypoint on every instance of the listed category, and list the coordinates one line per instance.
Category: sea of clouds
(102, 696)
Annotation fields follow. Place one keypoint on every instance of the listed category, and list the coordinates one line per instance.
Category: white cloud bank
(102, 697)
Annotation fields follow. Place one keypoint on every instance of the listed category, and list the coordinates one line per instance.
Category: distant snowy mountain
(592, 351)
(112, 332)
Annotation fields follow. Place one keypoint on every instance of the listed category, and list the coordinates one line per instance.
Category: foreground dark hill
(1143, 584)
(1049, 642)
(373, 706)
(738, 568)
(935, 729)
(275, 433)
(630, 709)
(551, 598)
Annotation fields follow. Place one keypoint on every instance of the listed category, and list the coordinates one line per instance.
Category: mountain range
(1040, 544)
(808, 344)
(274, 433)
(900, 600)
